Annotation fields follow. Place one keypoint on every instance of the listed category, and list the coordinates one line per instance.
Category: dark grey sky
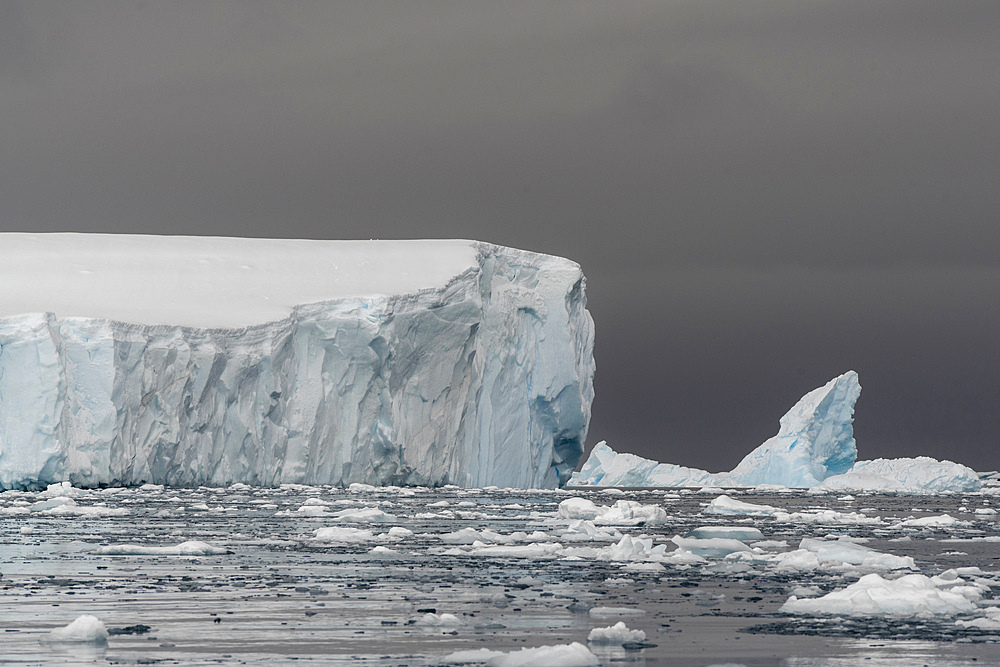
(762, 194)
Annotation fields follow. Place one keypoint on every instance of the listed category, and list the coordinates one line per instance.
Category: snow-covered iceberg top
(186, 361)
(214, 282)
(814, 448)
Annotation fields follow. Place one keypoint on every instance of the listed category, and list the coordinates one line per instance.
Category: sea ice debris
(872, 595)
(85, 629)
(616, 634)
(188, 548)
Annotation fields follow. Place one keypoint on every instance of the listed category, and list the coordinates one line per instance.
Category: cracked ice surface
(186, 361)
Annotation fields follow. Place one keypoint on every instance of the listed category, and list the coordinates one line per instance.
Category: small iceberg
(813, 449)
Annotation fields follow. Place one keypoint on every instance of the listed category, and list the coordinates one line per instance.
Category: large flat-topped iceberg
(814, 448)
(179, 360)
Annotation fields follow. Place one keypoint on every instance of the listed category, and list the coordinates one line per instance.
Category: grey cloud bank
(761, 194)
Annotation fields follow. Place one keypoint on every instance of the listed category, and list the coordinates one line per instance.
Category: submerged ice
(814, 448)
(186, 361)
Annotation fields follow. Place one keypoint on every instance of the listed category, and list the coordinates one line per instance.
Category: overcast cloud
(762, 194)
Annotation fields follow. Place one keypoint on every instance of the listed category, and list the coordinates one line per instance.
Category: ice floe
(188, 548)
(909, 595)
(560, 655)
(86, 629)
(616, 634)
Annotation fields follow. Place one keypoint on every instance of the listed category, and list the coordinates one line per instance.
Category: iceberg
(129, 359)
(814, 448)
(815, 440)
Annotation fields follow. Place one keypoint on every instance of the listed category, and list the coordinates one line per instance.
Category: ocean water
(278, 595)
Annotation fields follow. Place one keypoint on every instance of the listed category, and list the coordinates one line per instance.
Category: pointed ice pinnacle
(815, 441)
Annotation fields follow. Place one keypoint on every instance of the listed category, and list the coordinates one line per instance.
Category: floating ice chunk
(728, 506)
(616, 634)
(990, 620)
(65, 506)
(630, 513)
(363, 515)
(906, 475)
(742, 533)
(827, 517)
(606, 467)
(579, 508)
(469, 535)
(560, 655)
(397, 533)
(942, 521)
(309, 510)
(632, 548)
(910, 595)
(383, 551)
(538, 551)
(62, 489)
(843, 551)
(343, 535)
(432, 619)
(361, 487)
(583, 530)
(189, 548)
(717, 547)
(85, 629)
(622, 513)
(610, 612)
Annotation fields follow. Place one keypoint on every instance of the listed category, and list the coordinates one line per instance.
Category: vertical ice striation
(483, 379)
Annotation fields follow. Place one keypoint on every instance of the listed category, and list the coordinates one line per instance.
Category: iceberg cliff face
(482, 374)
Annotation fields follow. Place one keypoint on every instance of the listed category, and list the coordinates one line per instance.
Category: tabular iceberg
(814, 447)
(185, 361)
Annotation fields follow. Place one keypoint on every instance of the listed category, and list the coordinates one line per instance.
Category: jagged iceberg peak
(815, 439)
(185, 360)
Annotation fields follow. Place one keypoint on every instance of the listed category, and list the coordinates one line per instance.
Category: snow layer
(189, 548)
(186, 361)
(814, 448)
